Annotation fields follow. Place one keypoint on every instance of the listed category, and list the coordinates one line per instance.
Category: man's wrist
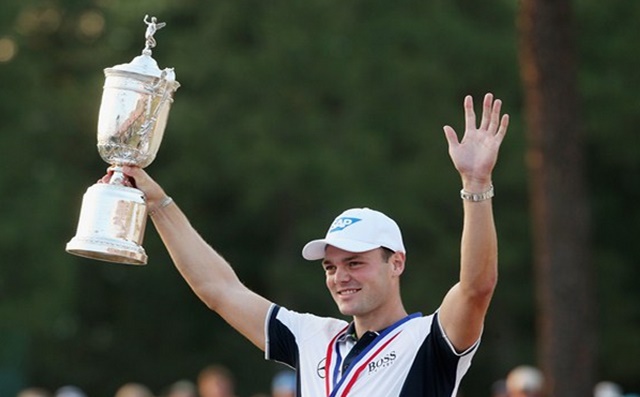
(165, 202)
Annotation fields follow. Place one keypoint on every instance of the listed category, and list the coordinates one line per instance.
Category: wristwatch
(475, 197)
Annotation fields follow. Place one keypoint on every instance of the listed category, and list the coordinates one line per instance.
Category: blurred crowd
(218, 381)
(528, 381)
(212, 381)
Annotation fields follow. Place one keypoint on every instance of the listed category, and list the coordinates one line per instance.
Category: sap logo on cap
(342, 223)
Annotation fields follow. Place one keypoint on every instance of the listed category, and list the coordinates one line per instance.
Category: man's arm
(207, 273)
(464, 307)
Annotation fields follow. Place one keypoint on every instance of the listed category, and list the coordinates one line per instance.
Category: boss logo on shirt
(342, 223)
(382, 362)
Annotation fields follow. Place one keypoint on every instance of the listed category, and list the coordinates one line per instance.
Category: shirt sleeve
(281, 343)
(290, 334)
(438, 362)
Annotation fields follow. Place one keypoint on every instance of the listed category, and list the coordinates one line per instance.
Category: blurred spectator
(34, 392)
(182, 388)
(499, 388)
(607, 389)
(133, 390)
(216, 381)
(284, 384)
(70, 391)
(525, 381)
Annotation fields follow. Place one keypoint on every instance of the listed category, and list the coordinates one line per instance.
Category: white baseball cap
(357, 230)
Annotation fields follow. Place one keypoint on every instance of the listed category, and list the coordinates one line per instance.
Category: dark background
(288, 113)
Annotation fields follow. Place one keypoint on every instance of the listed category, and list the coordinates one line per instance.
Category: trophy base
(108, 250)
(111, 225)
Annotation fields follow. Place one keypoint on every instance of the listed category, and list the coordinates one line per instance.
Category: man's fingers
(450, 134)
(133, 172)
(135, 175)
(486, 111)
(502, 130)
(469, 114)
(495, 116)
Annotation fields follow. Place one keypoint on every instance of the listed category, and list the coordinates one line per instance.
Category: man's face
(360, 283)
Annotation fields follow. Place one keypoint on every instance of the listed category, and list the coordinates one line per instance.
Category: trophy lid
(144, 64)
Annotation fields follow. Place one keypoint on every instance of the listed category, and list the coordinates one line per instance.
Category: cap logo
(342, 223)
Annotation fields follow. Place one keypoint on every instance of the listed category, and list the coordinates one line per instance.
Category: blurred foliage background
(288, 113)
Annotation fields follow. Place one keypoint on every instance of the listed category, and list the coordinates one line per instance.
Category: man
(215, 381)
(181, 388)
(384, 351)
(34, 392)
(283, 384)
(525, 381)
(133, 389)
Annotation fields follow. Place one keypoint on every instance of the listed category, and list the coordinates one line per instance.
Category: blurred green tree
(287, 114)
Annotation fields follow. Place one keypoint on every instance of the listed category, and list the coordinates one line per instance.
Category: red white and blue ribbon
(340, 386)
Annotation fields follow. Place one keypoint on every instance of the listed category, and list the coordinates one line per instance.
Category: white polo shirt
(411, 358)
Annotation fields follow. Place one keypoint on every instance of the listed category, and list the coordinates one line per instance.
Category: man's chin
(347, 310)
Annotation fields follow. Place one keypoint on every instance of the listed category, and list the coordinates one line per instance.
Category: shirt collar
(351, 336)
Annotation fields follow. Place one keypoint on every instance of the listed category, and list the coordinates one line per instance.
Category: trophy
(133, 114)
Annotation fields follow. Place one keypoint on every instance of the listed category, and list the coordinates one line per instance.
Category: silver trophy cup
(133, 115)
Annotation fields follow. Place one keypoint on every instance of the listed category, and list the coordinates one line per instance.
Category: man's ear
(397, 262)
